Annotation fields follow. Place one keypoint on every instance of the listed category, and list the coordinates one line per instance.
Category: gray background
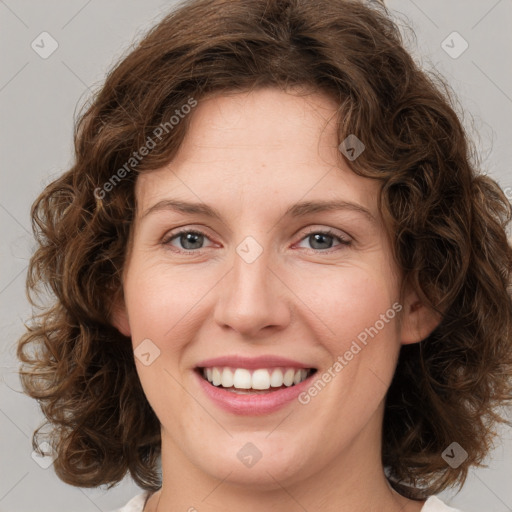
(38, 99)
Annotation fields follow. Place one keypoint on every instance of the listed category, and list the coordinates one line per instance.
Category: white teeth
(276, 380)
(242, 379)
(227, 378)
(216, 377)
(288, 377)
(260, 379)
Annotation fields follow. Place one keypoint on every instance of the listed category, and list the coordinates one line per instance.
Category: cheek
(162, 304)
(345, 301)
(162, 300)
(363, 315)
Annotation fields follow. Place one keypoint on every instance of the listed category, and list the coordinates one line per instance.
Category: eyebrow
(297, 210)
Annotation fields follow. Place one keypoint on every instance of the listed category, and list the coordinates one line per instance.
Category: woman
(199, 324)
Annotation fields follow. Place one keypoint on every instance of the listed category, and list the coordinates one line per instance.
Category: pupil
(320, 236)
(189, 238)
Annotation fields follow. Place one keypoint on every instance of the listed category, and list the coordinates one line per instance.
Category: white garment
(433, 504)
(135, 504)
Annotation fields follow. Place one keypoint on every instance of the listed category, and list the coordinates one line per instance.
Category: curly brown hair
(447, 222)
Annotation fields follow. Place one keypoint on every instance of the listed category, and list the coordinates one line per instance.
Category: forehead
(267, 117)
(246, 149)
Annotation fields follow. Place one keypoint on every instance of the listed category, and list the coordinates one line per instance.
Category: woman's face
(269, 288)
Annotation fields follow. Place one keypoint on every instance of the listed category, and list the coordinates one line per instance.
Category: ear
(418, 320)
(119, 318)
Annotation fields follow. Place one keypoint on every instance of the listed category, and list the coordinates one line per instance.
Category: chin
(253, 461)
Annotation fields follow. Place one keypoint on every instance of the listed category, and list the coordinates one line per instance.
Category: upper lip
(265, 361)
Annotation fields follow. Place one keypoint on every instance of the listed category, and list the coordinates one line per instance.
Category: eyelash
(329, 232)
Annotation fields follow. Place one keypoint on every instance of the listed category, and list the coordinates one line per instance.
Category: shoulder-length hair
(446, 219)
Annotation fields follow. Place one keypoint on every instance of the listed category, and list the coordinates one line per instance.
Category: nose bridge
(252, 297)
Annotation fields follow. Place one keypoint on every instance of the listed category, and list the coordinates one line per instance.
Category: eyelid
(343, 235)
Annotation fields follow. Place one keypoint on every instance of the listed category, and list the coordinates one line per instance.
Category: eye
(323, 239)
(189, 240)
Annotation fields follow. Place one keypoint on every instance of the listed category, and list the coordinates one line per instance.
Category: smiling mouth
(257, 381)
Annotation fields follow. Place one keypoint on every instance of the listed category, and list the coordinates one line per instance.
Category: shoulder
(136, 504)
(434, 504)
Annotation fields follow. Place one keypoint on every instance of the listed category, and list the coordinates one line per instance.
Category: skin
(251, 156)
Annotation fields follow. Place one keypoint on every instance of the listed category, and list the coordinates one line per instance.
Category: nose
(253, 299)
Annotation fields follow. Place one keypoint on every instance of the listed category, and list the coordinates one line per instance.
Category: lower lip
(255, 405)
